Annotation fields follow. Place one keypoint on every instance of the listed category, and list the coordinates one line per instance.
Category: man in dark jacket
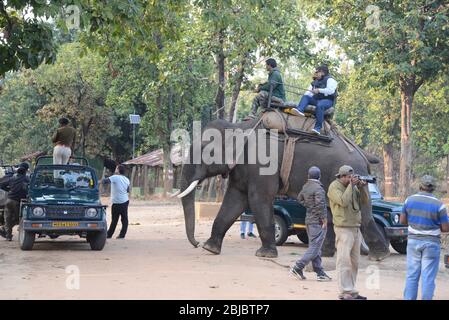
(274, 80)
(17, 187)
(313, 198)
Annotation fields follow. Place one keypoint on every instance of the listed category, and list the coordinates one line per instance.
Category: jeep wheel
(26, 238)
(280, 230)
(97, 240)
(303, 237)
(399, 246)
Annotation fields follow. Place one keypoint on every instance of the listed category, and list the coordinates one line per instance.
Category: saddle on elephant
(274, 118)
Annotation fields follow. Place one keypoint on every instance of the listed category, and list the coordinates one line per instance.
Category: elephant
(248, 189)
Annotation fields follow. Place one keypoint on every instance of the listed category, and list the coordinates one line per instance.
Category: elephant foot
(267, 253)
(378, 256)
(211, 246)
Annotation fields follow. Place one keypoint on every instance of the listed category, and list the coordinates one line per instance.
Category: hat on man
(344, 171)
(314, 173)
(428, 181)
(24, 165)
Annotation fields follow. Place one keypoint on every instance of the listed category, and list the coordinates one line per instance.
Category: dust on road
(157, 262)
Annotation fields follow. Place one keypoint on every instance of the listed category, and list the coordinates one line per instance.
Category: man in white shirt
(120, 200)
(321, 93)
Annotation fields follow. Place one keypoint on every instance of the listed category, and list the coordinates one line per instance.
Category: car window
(64, 179)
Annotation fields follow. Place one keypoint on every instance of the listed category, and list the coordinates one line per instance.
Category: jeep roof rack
(86, 162)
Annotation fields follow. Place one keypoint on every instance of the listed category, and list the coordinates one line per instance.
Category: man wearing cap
(426, 217)
(313, 198)
(17, 187)
(346, 195)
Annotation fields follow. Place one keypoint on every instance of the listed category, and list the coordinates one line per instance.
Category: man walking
(64, 140)
(17, 187)
(313, 198)
(346, 194)
(120, 200)
(426, 217)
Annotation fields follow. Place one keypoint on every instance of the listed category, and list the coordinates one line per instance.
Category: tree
(21, 132)
(76, 88)
(430, 126)
(372, 119)
(401, 42)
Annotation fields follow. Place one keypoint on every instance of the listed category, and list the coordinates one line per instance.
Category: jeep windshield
(63, 179)
(374, 191)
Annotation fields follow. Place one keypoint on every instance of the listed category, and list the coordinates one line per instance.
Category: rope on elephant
(287, 161)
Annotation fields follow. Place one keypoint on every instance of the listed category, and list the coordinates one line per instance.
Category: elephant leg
(328, 249)
(262, 207)
(378, 245)
(234, 204)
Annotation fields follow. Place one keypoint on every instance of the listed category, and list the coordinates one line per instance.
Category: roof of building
(156, 158)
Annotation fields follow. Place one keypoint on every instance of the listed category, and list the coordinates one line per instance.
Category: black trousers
(119, 210)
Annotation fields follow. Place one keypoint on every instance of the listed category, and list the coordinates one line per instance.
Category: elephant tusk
(175, 194)
(189, 189)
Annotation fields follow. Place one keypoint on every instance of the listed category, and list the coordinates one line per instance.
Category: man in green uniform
(274, 80)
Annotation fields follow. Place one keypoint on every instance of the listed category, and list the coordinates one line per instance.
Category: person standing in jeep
(64, 140)
(120, 200)
(313, 198)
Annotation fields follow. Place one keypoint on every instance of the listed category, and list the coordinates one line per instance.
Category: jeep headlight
(38, 212)
(396, 218)
(91, 213)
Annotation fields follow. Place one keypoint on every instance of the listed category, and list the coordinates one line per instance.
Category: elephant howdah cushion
(273, 120)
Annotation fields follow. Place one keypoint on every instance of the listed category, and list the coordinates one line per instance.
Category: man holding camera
(346, 195)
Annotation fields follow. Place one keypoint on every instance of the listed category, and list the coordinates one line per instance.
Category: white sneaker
(315, 131)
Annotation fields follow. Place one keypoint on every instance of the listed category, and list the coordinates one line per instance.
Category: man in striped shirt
(426, 217)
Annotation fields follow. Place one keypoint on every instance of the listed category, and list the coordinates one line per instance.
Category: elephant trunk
(187, 196)
(188, 204)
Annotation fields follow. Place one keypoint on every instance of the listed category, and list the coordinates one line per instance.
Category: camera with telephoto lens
(368, 179)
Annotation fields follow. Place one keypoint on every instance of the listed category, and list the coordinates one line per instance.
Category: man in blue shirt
(426, 217)
(120, 200)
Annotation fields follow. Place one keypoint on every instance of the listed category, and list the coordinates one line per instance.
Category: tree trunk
(447, 177)
(133, 175)
(168, 173)
(237, 86)
(168, 166)
(405, 170)
(388, 170)
(220, 96)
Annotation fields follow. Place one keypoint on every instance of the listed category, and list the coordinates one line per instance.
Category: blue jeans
(423, 259)
(321, 106)
(243, 225)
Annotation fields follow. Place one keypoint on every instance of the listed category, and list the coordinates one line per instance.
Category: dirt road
(157, 262)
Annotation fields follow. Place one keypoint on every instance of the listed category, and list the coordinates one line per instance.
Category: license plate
(66, 224)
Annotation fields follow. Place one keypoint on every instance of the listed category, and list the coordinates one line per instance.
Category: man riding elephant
(278, 91)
